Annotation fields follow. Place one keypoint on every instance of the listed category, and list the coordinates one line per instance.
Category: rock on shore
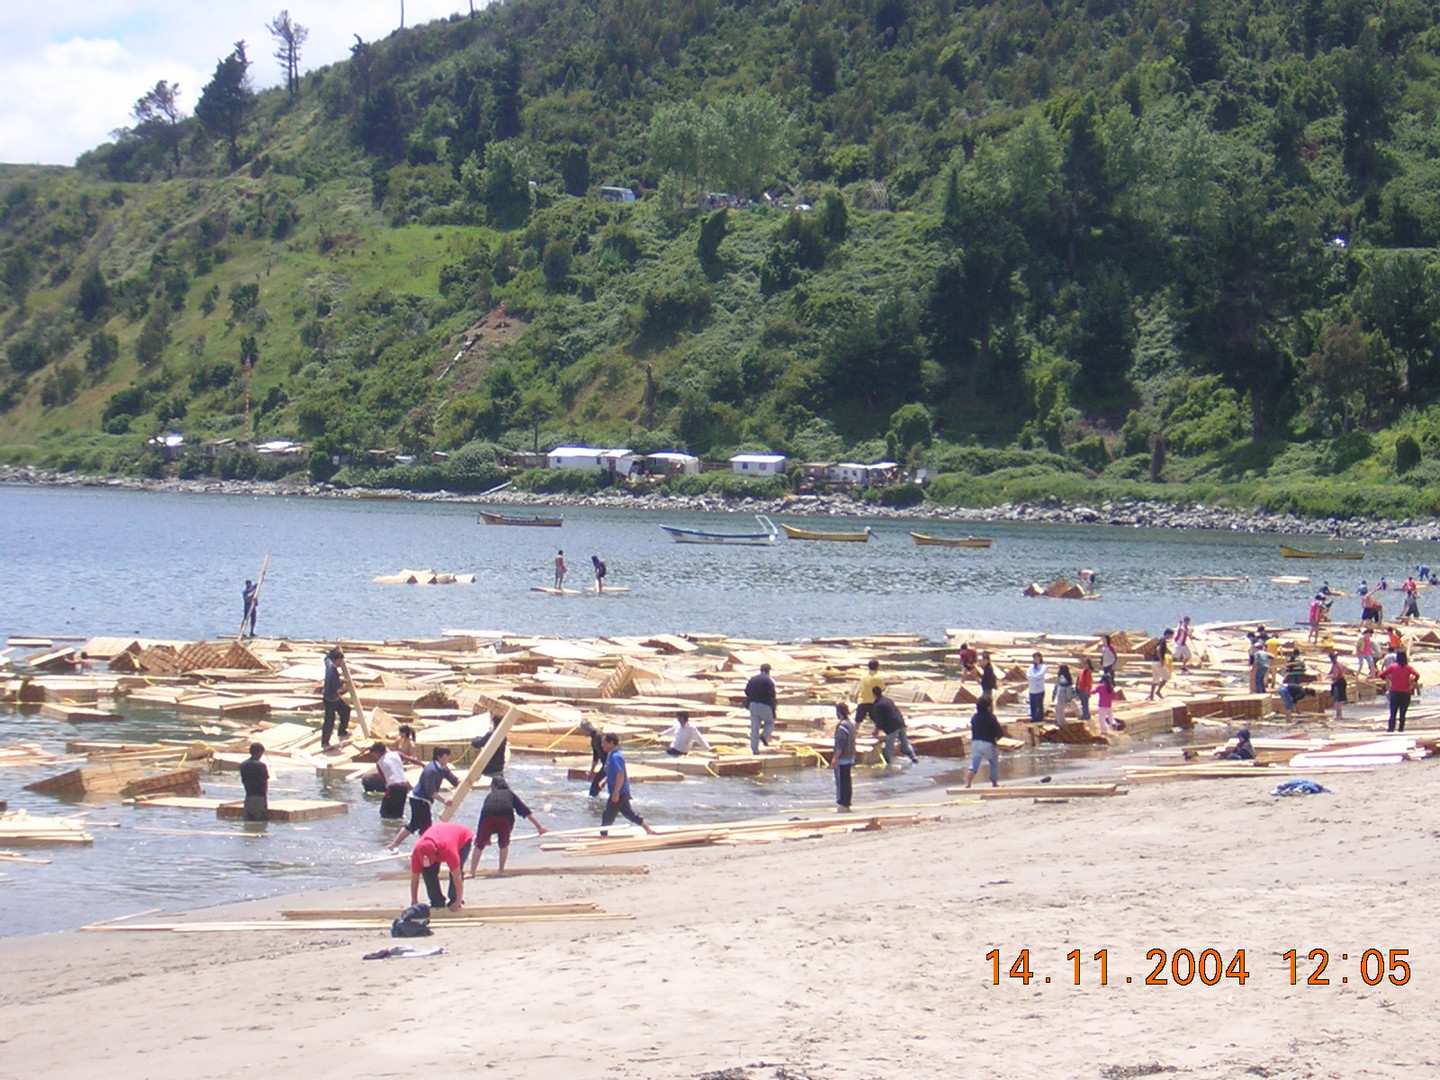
(1133, 513)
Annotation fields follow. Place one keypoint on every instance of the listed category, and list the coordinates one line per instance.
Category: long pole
(254, 600)
(354, 698)
(492, 744)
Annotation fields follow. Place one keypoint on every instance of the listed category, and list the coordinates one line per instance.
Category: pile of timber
(21, 827)
(1301, 756)
(424, 577)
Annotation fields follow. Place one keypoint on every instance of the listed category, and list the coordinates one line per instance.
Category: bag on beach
(414, 921)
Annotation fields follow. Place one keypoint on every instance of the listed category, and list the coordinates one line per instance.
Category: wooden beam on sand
(337, 924)
(1038, 791)
(529, 871)
(579, 907)
(477, 767)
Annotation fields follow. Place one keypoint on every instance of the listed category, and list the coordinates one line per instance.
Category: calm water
(86, 563)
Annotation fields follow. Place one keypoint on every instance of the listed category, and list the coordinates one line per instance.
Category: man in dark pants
(619, 784)
(887, 719)
(256, 778)
(496, 765)
(249, 597)
(597, 756)
(424, 794)
(335, 704)
(445, 842)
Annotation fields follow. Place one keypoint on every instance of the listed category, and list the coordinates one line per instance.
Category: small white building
(591, 459)
(758, 464)
(576, 457)
(672, 462)
(847, 472)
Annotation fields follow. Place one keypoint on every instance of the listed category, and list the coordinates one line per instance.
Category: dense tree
(94, 294)
(226, 100)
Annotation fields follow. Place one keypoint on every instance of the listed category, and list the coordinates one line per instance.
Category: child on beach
(1105, 698)
(1085, 686)
(1365, 652)
(1061, 695)
(1160, 666)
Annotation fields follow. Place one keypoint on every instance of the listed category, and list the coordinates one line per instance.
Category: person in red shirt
(444, 842)
(1085, 686)
(1403, 680)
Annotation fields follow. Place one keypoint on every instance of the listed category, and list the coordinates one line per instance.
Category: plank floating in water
(287, 809)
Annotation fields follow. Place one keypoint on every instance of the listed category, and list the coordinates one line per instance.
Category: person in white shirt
(391, 766)
(683, 737)
(1035, 677)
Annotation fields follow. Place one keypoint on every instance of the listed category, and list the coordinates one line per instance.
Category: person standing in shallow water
(1035, 681)
(560, 569)
(256, 778)
(599, 573)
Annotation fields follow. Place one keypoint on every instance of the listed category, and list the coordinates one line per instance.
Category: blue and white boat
(704, 536)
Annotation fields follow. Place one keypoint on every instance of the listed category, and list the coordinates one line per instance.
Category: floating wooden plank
(287, 809)
(76, 715)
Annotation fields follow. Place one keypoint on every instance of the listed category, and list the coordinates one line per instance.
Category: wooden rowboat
(921, 540)
(534, 521)
(807, 534)
(1297, 553)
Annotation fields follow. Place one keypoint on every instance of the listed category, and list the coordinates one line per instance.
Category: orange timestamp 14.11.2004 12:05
(1209, 967)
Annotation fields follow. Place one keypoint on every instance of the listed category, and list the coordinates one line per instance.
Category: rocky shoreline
(1130, 513)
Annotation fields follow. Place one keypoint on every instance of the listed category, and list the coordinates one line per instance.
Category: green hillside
(1083, 248)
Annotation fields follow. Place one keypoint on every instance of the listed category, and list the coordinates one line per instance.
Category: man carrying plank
(444, 842)
(333, 694)
(497, 819)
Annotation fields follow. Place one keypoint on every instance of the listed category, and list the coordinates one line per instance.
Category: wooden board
(287, 809)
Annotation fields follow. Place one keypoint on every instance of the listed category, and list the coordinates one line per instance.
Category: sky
(71, 70)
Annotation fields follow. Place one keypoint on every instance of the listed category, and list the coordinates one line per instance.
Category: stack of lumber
(21, 827)
(424, 577)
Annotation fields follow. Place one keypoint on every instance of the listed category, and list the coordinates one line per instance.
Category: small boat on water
(705, 536)
(809, 534)
(534, 521)
(921, 540)
(1298, 553)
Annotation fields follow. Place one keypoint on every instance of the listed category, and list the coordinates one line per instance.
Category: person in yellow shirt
(870, 681)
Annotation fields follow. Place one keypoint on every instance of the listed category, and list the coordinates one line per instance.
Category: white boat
(704, 536)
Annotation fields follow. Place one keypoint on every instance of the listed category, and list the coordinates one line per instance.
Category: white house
(758, 464)
(670, 462)
(847, 472)
(576, 457)
(591, 459)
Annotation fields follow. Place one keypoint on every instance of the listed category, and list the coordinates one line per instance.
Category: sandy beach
(859, 956)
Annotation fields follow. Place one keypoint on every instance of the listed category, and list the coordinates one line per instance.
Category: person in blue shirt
(618, 784)
(424, 794)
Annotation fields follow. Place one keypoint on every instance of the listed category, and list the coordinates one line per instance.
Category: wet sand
(859, 956)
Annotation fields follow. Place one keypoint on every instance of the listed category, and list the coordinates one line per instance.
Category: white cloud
(70, 71)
